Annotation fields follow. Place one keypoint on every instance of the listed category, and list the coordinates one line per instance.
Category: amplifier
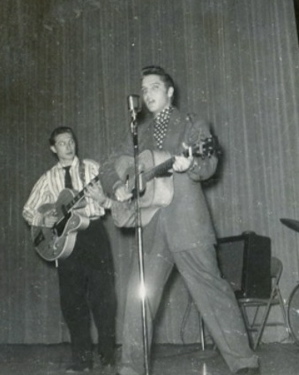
(245, 262)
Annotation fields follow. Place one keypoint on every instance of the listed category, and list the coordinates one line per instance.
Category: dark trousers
(212, 295)
(86, 281)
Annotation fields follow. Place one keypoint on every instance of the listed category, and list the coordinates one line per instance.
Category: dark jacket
(188, 218)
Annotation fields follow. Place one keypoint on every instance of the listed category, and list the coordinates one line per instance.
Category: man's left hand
(96, 192)
(182, 163)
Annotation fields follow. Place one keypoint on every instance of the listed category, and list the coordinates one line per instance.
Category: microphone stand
(138, 233)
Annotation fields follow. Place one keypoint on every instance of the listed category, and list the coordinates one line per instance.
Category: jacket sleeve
(204, 165)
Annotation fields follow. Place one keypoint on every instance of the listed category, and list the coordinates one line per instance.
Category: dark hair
(61, 130)
(157, 70)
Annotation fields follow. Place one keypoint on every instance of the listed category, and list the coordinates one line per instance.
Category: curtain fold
(74, 63)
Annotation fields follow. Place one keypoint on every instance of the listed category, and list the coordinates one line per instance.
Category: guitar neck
(164, 167)
(159, 170)
(80, 195)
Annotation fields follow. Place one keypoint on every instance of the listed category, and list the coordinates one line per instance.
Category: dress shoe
(249, 371)
(107, 360)
(79, 367)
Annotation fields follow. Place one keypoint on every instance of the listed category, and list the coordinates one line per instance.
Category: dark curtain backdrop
(74, 62)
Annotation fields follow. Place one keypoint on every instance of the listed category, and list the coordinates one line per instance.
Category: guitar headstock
(207, 147)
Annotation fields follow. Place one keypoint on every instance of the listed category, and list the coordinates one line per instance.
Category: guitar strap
(203, 134)
(191, 119)
(82, 172)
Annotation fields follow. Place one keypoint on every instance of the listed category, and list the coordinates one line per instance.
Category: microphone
(133, 104)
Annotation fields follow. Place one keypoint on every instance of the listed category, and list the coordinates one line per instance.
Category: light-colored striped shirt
(51, 183)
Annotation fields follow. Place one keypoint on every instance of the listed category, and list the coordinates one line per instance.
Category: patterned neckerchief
(161, 124)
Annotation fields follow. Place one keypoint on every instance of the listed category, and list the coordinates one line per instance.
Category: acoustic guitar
(58, 242)
(155, 179)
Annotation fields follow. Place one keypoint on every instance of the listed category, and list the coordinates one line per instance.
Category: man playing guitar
(180, 233)
(86, 273)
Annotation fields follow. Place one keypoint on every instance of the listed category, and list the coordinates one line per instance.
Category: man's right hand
(122, 193)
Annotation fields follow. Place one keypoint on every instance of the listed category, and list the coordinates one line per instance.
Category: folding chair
(274, 299)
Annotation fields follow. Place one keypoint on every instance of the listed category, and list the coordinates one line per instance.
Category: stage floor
(276, 359)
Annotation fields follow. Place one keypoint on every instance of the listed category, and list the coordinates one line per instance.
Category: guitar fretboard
(164, 167)
(159, 170)
(66, 209)
(80, 195)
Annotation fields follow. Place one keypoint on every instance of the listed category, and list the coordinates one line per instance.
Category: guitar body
(58, 242)
(157, 192)
(155, 179)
